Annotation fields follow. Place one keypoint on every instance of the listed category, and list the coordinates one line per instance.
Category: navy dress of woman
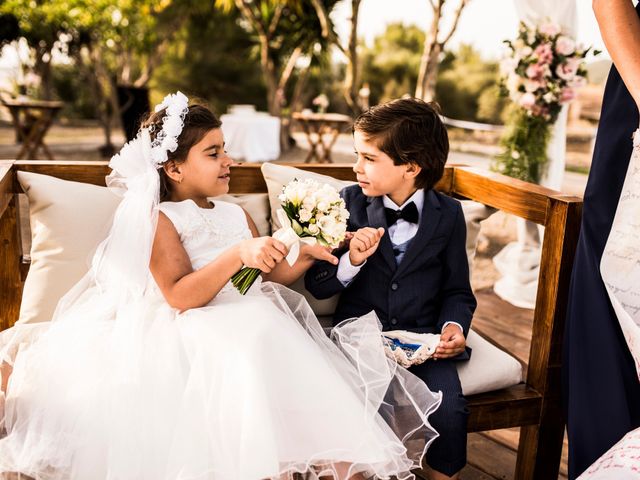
(601, 387)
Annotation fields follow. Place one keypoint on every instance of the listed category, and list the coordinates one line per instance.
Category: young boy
(407, 258)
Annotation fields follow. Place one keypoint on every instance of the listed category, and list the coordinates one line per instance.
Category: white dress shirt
(399, 233)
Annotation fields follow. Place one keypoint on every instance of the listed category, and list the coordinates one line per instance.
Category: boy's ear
(173, 171)
(412, 170)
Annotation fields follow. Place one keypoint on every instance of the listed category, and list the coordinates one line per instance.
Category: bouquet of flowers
(311, 213)
(541, 74)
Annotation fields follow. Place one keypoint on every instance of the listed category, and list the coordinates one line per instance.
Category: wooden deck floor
(492, 455)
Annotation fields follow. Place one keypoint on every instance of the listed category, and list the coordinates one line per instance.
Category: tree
(352, 74)
(390, 66)
(211, 58)
(434, 45)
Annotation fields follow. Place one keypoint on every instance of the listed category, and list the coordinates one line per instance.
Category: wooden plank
(517, 405)
(10, 281)
(541, 445)
(472, 473)
(523, 199)
(7, 178)
(85, 172)
(490, 457)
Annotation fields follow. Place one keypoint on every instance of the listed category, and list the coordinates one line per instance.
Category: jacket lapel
(376, 218)
(429, 220)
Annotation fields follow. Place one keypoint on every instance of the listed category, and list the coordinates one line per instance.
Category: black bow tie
(408, 213)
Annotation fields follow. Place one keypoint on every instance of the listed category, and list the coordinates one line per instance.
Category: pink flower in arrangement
(565, 45)
(567, 70)
(550, 29)
(532, 85)
(528, 101)
(567, 95)
(535, 71)
(544, 53)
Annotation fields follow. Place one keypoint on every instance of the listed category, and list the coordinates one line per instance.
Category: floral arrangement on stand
(321, 102)
(541, 74)
(311, 213)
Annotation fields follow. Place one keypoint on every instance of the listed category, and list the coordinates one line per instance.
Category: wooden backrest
(560, 214)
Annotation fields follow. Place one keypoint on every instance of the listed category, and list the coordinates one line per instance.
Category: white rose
(314, 229)
(304, 215)
(565, 45)
(550, 29)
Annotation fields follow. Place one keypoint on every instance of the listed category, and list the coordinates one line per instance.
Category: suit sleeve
(458, 301)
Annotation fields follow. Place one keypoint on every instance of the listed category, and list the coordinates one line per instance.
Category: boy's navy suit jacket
(427, 289)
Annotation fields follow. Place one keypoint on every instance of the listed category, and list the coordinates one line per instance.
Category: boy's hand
(364, 244)
(452, 342)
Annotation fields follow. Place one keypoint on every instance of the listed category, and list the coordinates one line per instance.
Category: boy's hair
(409, 130)
(197, 122)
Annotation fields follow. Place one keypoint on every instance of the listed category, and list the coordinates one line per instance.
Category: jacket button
(394, 286)
(394, 321)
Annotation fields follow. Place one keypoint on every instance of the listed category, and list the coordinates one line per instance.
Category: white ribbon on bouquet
(287, 235)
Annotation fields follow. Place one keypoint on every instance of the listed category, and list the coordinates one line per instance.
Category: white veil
(120, 267)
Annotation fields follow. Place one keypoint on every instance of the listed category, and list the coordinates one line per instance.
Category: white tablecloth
(252, 137)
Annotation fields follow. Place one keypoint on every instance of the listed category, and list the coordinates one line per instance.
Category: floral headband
(177, 106)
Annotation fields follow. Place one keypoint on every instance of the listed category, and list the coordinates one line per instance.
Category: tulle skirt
(244, 388)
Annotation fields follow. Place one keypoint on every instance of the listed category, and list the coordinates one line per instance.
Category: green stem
(525, 144)
(244, 279)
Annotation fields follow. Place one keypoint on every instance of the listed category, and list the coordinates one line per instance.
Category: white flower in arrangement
(542, 73)
(305, 215)
(313, 228)
(550, 29)
(565, 45)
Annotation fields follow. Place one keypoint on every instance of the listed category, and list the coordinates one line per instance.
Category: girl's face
(206, 172)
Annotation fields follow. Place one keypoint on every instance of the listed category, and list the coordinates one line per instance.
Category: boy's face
(377, 175)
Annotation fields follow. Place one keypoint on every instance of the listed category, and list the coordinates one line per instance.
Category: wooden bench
(534, 405)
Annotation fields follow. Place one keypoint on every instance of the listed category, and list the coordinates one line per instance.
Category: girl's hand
(263, 253)
(318, 252)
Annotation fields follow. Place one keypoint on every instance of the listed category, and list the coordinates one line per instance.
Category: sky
(484, 23)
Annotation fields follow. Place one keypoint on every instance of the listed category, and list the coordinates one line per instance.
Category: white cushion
(489, 367)
(68, 220)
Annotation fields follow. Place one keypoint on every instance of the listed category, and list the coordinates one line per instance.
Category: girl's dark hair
(409, 130)
(197, 122)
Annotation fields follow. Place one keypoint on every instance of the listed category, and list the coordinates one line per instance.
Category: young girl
(155, 367)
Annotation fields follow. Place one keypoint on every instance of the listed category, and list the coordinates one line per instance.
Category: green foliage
(467, 85)
(390, 66)
(524, 145)
(74, 91)
(212, 57)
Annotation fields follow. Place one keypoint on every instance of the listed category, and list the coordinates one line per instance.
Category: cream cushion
(489, 368)
(68, 220)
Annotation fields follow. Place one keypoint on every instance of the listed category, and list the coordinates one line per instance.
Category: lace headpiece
(166, 140)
